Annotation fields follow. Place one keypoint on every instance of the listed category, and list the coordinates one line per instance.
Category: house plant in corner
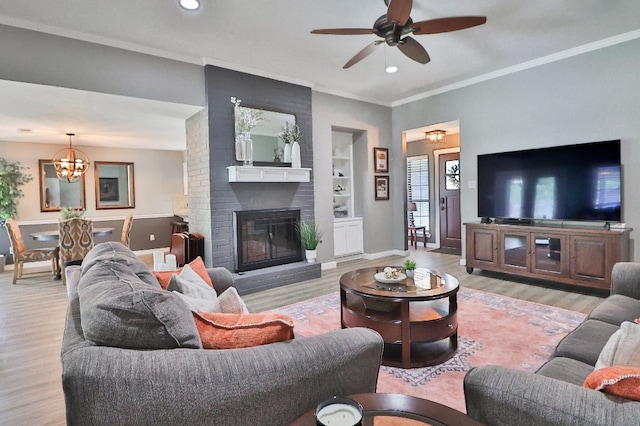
(409, 266)
(12, 178)
(310, 237)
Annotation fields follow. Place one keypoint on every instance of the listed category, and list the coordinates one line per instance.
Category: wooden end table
(378, 405)
(417, 317)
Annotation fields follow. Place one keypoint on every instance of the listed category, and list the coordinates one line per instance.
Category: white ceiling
(272, 38)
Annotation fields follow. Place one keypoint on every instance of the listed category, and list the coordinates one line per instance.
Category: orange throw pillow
(617, 380)
(231, 331)
(196, 264)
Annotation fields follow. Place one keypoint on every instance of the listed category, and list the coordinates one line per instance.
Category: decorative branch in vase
(245, 119)
(290, 135)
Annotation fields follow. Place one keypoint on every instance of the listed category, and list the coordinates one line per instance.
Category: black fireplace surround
(266, 238)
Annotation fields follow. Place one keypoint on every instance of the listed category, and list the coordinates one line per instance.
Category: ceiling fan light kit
(395, 28)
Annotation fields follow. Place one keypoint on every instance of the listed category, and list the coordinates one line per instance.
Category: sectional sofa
(271, 384)
(555, 394)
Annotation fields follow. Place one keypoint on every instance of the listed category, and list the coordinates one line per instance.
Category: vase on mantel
(295, 155)
(244, 148)
(287, 153)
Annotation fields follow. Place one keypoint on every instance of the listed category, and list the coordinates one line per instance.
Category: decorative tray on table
(390, 276)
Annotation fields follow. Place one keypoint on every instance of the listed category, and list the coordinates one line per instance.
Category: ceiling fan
(395, 26)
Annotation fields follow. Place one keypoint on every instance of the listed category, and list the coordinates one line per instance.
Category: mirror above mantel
(268, 147)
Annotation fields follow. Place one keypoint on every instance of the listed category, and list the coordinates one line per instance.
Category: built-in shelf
(268, 174)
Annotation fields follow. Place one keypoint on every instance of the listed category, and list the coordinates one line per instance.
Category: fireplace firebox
(266, 238)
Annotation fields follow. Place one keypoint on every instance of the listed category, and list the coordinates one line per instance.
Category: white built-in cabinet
(347, 237)
(347, 229)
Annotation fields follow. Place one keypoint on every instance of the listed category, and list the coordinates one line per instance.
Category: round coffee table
(379, 405)
(417, 317)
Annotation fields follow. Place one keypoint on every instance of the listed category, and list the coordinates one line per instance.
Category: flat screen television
(574, 182)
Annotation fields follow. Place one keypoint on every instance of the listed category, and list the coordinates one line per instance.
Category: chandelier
(435, 136)
(70, 163)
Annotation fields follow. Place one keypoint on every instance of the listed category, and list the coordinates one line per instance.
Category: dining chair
(76, 240)
(22, 255)
(125, 238)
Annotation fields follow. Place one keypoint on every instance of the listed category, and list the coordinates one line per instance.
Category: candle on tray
(339, 412)
(171, 262)
(158, 260)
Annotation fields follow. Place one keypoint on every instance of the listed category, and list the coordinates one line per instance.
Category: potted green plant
(12, 178)
(310, 237)
(409, 266)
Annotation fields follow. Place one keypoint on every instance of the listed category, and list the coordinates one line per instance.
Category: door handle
(443, 204)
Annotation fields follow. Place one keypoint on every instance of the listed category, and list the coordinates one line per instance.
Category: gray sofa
(554, 395)
(265, 385)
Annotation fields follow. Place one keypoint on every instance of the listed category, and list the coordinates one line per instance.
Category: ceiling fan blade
(414, 50)
(444, 25)
(399, 11)
(344, 31)
(362, 54)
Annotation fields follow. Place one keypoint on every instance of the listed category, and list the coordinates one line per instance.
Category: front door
(449, 203)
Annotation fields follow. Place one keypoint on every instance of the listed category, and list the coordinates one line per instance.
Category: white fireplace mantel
(268, 174)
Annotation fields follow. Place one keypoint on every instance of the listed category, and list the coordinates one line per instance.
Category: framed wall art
(381, 160)
(382, 187)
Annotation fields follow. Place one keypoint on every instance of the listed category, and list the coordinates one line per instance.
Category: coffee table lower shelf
(416, 334)
(423, 354)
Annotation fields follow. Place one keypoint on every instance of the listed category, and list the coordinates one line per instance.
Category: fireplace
(266, 238)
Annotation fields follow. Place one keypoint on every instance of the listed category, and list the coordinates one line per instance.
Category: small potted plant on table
(409, 266)
(310, 236)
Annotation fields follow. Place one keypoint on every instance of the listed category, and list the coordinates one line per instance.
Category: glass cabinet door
(515, 249)
(547, 249)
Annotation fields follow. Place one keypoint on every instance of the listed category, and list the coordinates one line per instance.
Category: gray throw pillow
(119, 309)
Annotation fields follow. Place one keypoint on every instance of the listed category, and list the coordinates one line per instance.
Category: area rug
(492, 329)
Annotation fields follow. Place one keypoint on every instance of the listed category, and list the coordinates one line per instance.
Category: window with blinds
(418, 188)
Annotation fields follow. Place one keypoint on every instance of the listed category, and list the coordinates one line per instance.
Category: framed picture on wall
(381, 160)
(382, 187)
(109, 189)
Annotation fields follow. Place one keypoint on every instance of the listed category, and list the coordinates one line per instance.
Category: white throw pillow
(231, 303)
(197, 294)
(190, 284)
(622, 348)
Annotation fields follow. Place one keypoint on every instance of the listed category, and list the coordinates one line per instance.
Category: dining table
(54, 235)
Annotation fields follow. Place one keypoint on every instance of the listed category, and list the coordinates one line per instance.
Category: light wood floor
(32, 314)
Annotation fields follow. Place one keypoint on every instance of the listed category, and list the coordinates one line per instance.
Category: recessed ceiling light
(391, 69)
(190, 4)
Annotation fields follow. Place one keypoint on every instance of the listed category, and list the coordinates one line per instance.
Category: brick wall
(199, 176)
(225, 197)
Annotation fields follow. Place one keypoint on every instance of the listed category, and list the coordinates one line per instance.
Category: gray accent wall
(591, 97)
(261, 93)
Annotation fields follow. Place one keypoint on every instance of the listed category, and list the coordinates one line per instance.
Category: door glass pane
(452, 170)
(547, 253)
(515, 250)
